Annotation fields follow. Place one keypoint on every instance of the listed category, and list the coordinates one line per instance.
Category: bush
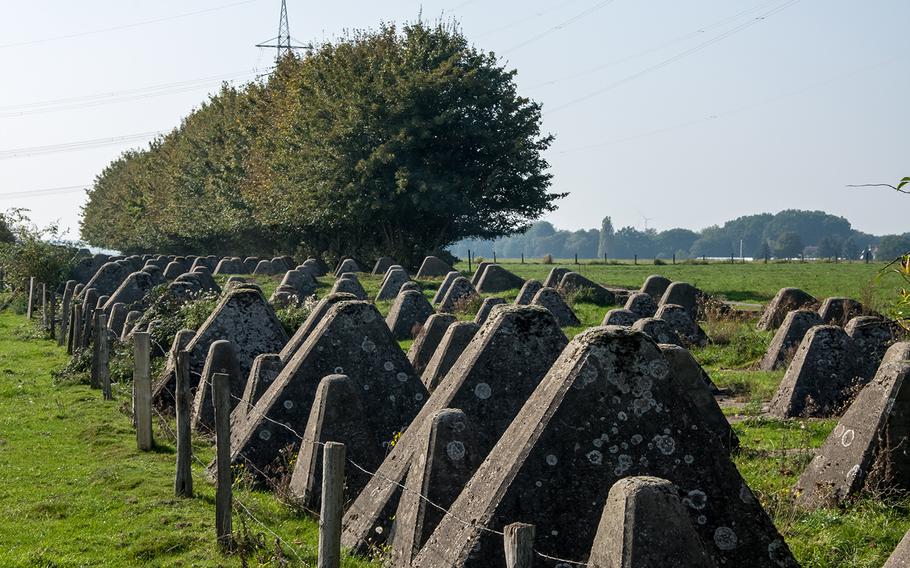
(659, 262)
(33, 252)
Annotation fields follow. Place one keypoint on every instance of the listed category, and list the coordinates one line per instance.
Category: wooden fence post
(53, 318)
(31, 296)
(518, 539)
(44, 321)
(221, 398)
(104, 355)
(329, 554)
(142, 390)
(74, 330)
(95, 377)
(183, 480)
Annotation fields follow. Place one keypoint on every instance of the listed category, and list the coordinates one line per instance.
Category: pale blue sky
(686, 112)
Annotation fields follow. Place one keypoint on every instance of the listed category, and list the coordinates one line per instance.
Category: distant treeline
(787, 234)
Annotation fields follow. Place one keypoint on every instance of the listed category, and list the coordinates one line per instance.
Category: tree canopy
(386, 142)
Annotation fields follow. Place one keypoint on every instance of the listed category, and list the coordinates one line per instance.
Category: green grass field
(77, 492)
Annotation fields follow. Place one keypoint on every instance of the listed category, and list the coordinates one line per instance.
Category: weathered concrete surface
(497, 279)
(173, 270)
(348, 265)
(460, 295)
(428, 340)
(132, 292)
(263, 373)
(433, 267)
(820, 378)
(574, 283)
(838, 311)
(527, 292)
(220, 359)
(658, 330)
(441, 466)
(620, 316)
(872, 336)
(200, 280)
(685, 295)
(655, 286)
(444, 287)
(165, 387)
(451, 346)
(392, 283)
(555, 276)
(491, 380)
(128, 323)
(486, 308)
(336, 416)
(108, 278)
(116, 319)
(318, 267)
(302, 281)
(410, 285)
(685, 327)
(478, 272)
(267, 267)
(349, 286)
(351, 339)
(785, 301)
(383, 264)
(642, 305)
(407, 314)
(789, 335)
(868, 447)
(230, 266)
(696, 385)
(606, 410)
(242, 317)
(645, 525)
(306, 329)
(900, 558)
(550, 299)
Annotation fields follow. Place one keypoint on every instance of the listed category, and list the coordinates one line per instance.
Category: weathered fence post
(674, 258)
(44, 320)
(469, 260)
(576, 258)
(636, 259)
(142, 390)
(518, 539)
(95, 376)
(104, 355)
(31, 296)
(522, 258)
(221, 398)
(329, 555)
(494, 256)
(183, 480)
(53, 318)
(65, 303)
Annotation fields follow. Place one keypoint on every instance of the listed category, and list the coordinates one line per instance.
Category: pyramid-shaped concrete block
(821, 377)
(785, 301)
(900, 558)
(685, 295)
(263, 373)
(585, 289)
(459, 297)
(382, 265)
(428, 340)
(642, 305)
(349, 286)
(620, 316)
(408, 314)
(607, 409)
(787, 338)
(527, 292)
(496, 279)
(491, 380)
(554, 277)
(310, 323)
(868, 447)
(336, 416)
(645, 525)
(550, 299)
(486, 308)
(220, 359)
(655, 286)
(351, 339)
(242, 317)
(433, 267)
(444, 287)
(838, 311)
(392, 283)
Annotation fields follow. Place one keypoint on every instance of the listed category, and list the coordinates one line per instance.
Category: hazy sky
(688, 113)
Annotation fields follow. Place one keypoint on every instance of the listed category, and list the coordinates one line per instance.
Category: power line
(655, 49)
(525, 19)
(43, 192)
(73, 146)
(677, 57)
(125, 26)
(580, 16)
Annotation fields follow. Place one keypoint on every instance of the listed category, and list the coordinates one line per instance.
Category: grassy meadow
(77, 493)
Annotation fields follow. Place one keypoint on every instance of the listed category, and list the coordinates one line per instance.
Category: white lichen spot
(688, 459)
(614, 449)
(598, 442)
(725, 538)
(483, 391)
(624, 446)
(624, 462)
(288, 404)
(595, 457)
(264, 435)
(402, 377)
(538, 483)
(368, 316)
(643, 461)
(622, 416)
(636, 439)
(551, 460)
(696, 499)
(339, 371)
(388, 366)
(554, 533)
(368, 346)
(614, 430)
(666, 444)
(853, 473)
(418, 396)
(455, 450)
(366, 387)
(847, 437)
